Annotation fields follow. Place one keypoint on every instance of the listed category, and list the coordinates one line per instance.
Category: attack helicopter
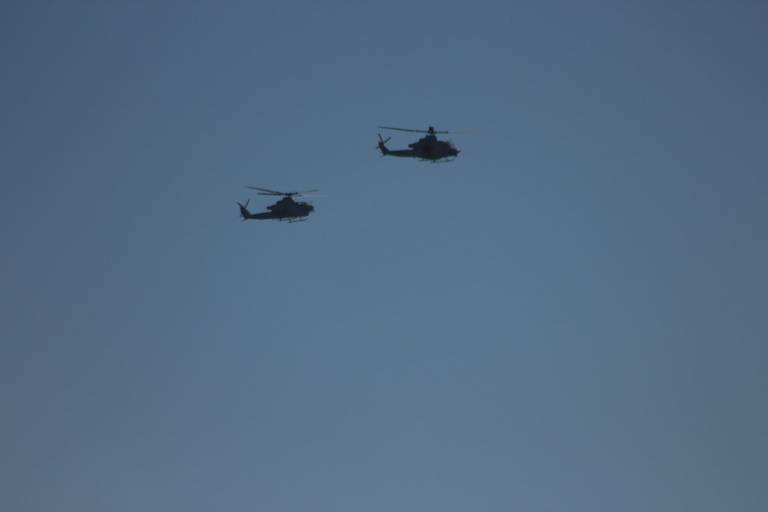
(284, 209)
(426, 148)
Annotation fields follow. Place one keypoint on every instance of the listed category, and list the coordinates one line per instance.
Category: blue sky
(570, 316)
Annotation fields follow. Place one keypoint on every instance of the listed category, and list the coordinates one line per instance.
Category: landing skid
(439, 161)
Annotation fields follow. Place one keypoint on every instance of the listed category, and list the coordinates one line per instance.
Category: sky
(571, 316)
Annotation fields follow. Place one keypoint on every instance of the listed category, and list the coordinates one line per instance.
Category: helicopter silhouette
(284, 209)
(426, 148)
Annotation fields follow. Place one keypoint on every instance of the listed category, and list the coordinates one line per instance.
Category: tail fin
(244, 213)
(382, 147)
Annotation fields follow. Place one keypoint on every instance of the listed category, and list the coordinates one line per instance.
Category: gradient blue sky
(569, 317)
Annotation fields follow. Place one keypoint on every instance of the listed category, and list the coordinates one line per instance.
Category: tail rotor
(244, 213)
(382, 145)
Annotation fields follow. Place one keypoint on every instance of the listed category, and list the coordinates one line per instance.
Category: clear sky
(569, 317)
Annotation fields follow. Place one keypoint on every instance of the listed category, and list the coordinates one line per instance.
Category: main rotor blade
(268, 192)
(410, 130)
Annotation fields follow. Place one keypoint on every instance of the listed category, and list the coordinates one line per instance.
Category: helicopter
(284, 209)
(426, 148)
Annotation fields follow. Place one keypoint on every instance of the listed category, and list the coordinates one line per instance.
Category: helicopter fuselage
(285, 209)
(426, 148)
